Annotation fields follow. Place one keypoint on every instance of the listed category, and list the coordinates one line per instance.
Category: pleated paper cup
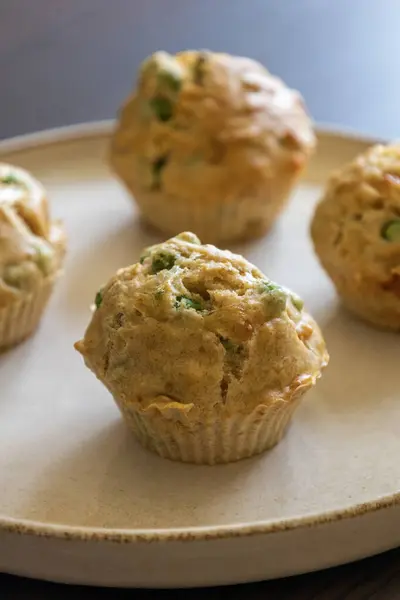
(217, 220)
(222, 438)
(21, 318)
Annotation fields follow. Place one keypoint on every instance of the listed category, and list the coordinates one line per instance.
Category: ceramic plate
(81, 501)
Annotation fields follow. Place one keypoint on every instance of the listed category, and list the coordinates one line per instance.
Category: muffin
(356, 233)
(212, 143)
(31, 253)
(206, 358)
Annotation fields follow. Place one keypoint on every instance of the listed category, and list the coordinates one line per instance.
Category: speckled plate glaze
(81, 501)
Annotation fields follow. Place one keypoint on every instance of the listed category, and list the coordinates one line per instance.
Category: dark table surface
(63, 62)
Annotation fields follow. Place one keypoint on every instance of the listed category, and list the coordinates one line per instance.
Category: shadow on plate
(111, 481)
(364, 361)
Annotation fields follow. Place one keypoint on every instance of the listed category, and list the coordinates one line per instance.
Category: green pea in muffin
(205, 356)
(31, 252)
(356, 234)
(211, 142)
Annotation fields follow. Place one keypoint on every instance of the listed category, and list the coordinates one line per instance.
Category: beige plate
(80, 501)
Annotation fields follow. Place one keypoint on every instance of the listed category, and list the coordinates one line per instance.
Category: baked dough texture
(356, 234)
(205, 356)
(31, 252)
(212, 143)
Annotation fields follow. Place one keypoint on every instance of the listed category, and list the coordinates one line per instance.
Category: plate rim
(104, 127)
(185, 534)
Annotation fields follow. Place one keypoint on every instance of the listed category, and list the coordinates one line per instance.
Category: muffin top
(223, 121)
(31, 247)
(356, 227)
(202, 328)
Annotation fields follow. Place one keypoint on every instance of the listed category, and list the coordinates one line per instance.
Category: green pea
(170, 79)
(161, 261)
(162, 108)
(157, 168)
(166, 69)
(297, 302)
(275, 298)
(188, 303)
(10, 180)
(98, 299)
(391, 231)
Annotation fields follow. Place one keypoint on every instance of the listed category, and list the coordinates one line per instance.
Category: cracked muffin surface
(31, 247)
(31, 252)
(212, 143)
(356, 234)
(192, 338)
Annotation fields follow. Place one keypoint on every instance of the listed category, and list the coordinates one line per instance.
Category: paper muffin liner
(222, 439)
(20, 319)
(221, 219)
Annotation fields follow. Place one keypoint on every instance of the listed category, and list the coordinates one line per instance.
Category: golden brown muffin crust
(354, 232)
(203, 329)
(222, 120)
(31, 247)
